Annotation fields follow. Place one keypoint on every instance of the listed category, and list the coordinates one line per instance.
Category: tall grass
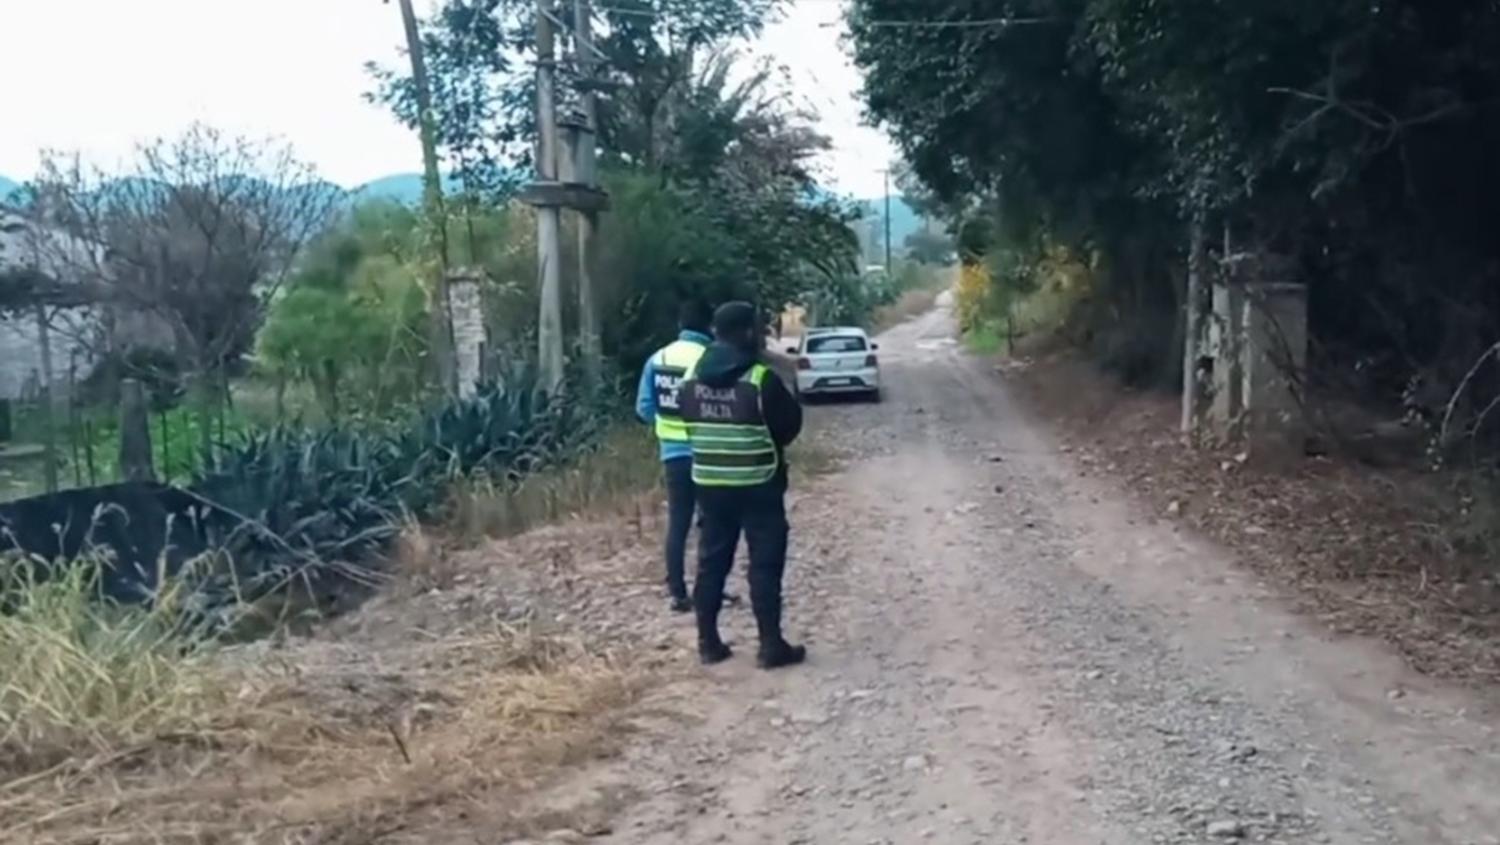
(80, 673)
(613, 476)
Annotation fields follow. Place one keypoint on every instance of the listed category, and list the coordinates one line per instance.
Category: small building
(31, 258)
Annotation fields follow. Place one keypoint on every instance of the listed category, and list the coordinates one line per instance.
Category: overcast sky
(99, 75)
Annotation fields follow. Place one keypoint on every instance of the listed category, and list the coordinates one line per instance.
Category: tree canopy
(1353, 139)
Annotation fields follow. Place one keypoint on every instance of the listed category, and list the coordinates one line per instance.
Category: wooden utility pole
(588, 220)
(549, 248)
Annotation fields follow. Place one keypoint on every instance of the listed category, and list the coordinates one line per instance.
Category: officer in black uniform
(740, 419)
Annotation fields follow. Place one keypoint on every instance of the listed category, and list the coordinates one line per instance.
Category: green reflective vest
(732, 447)
(669, 366)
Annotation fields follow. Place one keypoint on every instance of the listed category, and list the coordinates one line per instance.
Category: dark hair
(695, 316)
(734, 318)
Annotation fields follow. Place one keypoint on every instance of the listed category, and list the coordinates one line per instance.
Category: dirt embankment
(1394, 553)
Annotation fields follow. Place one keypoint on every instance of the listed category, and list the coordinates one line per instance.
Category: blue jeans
(682, 499)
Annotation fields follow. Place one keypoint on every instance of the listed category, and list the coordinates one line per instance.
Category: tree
(927, 247)
(199, 233)
(1350, 144)
(732, 156)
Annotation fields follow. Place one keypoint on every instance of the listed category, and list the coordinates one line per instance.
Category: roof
(835, 330)
(40, 261)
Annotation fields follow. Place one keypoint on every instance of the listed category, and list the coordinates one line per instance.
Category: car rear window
(837, 343)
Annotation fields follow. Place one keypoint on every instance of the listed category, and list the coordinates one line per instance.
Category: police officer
(740, 418)
(656, 405)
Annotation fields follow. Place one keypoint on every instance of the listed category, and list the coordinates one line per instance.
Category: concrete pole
(1192, 385)
(548, 245)
(588, 221)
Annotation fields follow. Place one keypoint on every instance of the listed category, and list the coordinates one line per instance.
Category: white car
(837, 361)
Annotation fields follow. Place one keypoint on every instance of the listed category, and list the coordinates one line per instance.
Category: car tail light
(871, 362)
(804, 364)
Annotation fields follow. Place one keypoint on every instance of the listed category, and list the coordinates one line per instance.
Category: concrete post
(466, 313)
(1227, 332)
(1275, 364)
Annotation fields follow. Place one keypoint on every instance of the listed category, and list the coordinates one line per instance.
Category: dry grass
(338, 744)
(912, 303)
(613, 479)
(79, 675)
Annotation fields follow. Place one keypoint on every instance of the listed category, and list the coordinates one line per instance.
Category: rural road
(1005, 649)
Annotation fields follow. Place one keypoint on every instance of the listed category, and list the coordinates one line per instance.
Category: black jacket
(722, 365)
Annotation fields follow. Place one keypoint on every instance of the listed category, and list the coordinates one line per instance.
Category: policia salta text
(740, 418)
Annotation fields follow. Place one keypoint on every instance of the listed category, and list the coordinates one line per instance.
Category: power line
(956, 24)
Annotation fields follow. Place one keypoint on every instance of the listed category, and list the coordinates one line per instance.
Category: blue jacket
(645, 398)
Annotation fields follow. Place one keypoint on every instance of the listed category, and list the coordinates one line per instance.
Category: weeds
(911, 303)
(986, 338)
(79, 673)
(617, 473)
(337, 743)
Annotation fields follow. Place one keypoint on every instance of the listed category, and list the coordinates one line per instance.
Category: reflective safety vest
(732, 447)
(669, 366)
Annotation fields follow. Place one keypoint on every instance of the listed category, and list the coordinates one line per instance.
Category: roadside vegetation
(1116, 161)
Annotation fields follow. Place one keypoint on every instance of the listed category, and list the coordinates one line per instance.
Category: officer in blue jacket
(656, 405)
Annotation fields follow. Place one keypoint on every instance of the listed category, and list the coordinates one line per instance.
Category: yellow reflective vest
(670, 365)
(732, 445)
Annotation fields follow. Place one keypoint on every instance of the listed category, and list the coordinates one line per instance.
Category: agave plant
(310, 503)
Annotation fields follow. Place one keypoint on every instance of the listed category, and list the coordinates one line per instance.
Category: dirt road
(1006, 650)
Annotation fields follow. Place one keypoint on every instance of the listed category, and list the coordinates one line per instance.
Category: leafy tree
(1352, 142)
(697, 159)
(927, 247)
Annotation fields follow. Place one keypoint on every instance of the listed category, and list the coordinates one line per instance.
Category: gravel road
(1005, 649)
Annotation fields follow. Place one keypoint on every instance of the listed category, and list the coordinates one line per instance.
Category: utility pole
(588, 220)
(548, 217)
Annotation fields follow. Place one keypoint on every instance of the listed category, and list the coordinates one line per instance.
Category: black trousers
(681, 504)
(760, 514)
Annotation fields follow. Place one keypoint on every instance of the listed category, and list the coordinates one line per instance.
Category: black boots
(713, 652)
(780, 654)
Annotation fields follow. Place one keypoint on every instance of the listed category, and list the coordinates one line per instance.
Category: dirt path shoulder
(1006, 648)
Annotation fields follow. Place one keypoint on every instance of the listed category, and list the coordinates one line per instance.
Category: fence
(77, 443)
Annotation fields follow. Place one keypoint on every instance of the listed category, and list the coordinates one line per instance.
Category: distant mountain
(871, 228)
(405, 188)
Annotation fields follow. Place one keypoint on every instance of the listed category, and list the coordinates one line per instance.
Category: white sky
(97, 76)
